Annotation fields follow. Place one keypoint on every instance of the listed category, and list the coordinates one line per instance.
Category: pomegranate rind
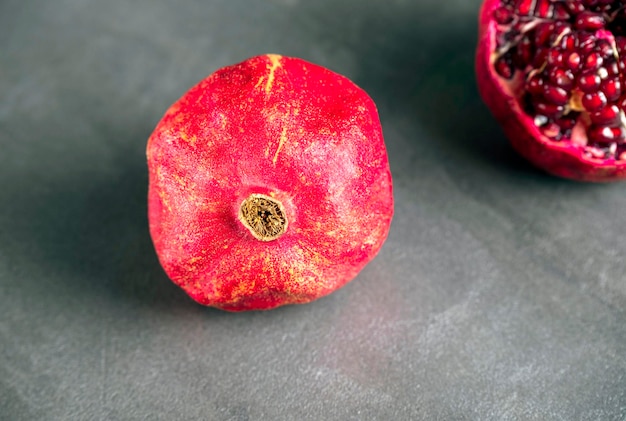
(562, 159)
(286, 129)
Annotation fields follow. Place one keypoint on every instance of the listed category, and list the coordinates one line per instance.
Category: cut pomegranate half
(552, 73)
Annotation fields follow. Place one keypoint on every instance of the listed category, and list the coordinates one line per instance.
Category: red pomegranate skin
(294, 132)
(562, 159)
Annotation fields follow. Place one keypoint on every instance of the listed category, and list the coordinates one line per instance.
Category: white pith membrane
(564, 61)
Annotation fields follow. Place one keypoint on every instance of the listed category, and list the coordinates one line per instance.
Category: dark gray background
(499, 295)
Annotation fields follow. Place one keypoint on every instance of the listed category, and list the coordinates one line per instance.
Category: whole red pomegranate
(269, 185)
(552, 73)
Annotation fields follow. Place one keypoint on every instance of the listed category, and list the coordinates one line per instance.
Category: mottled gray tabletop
(499, 295)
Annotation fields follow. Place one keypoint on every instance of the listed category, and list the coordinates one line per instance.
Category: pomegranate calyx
(263, 216)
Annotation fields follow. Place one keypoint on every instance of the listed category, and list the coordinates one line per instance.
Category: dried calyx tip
(263, 216)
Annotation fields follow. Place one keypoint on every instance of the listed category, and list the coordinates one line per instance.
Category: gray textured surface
(500, 294)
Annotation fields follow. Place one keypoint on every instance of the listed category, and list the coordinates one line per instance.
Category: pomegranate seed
(569, 42)
(612, 69)
(605, 49)
(593, 61)
(612, 88)
(589, 21)
(561, 12)
(574, 6)
(550, 110)
(524, 53)
(597, 4)
(534, 85)
(540, 58)
(560, 29)
(604, 135)
(573, 61)
(556, 58)
(504, 67)
(503, 15)
(525, 7)
(589, 82)
(561, 78)
(607, 116)
(543, 33)
(544, 9)
(567, 123)
(621, 138)
(594, 101)
(555, 95)
(586, 42)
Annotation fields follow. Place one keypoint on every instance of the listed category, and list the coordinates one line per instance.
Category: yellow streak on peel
(161, 192)
(192, 262)
(164, 201)
(281, 142)
(275, 64)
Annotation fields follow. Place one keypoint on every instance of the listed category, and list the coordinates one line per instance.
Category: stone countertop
(499, 295)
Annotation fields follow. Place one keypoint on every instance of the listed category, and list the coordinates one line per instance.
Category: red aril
(552, 73)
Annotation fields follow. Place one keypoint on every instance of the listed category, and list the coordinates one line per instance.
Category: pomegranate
(269, 184)
(552, 73)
